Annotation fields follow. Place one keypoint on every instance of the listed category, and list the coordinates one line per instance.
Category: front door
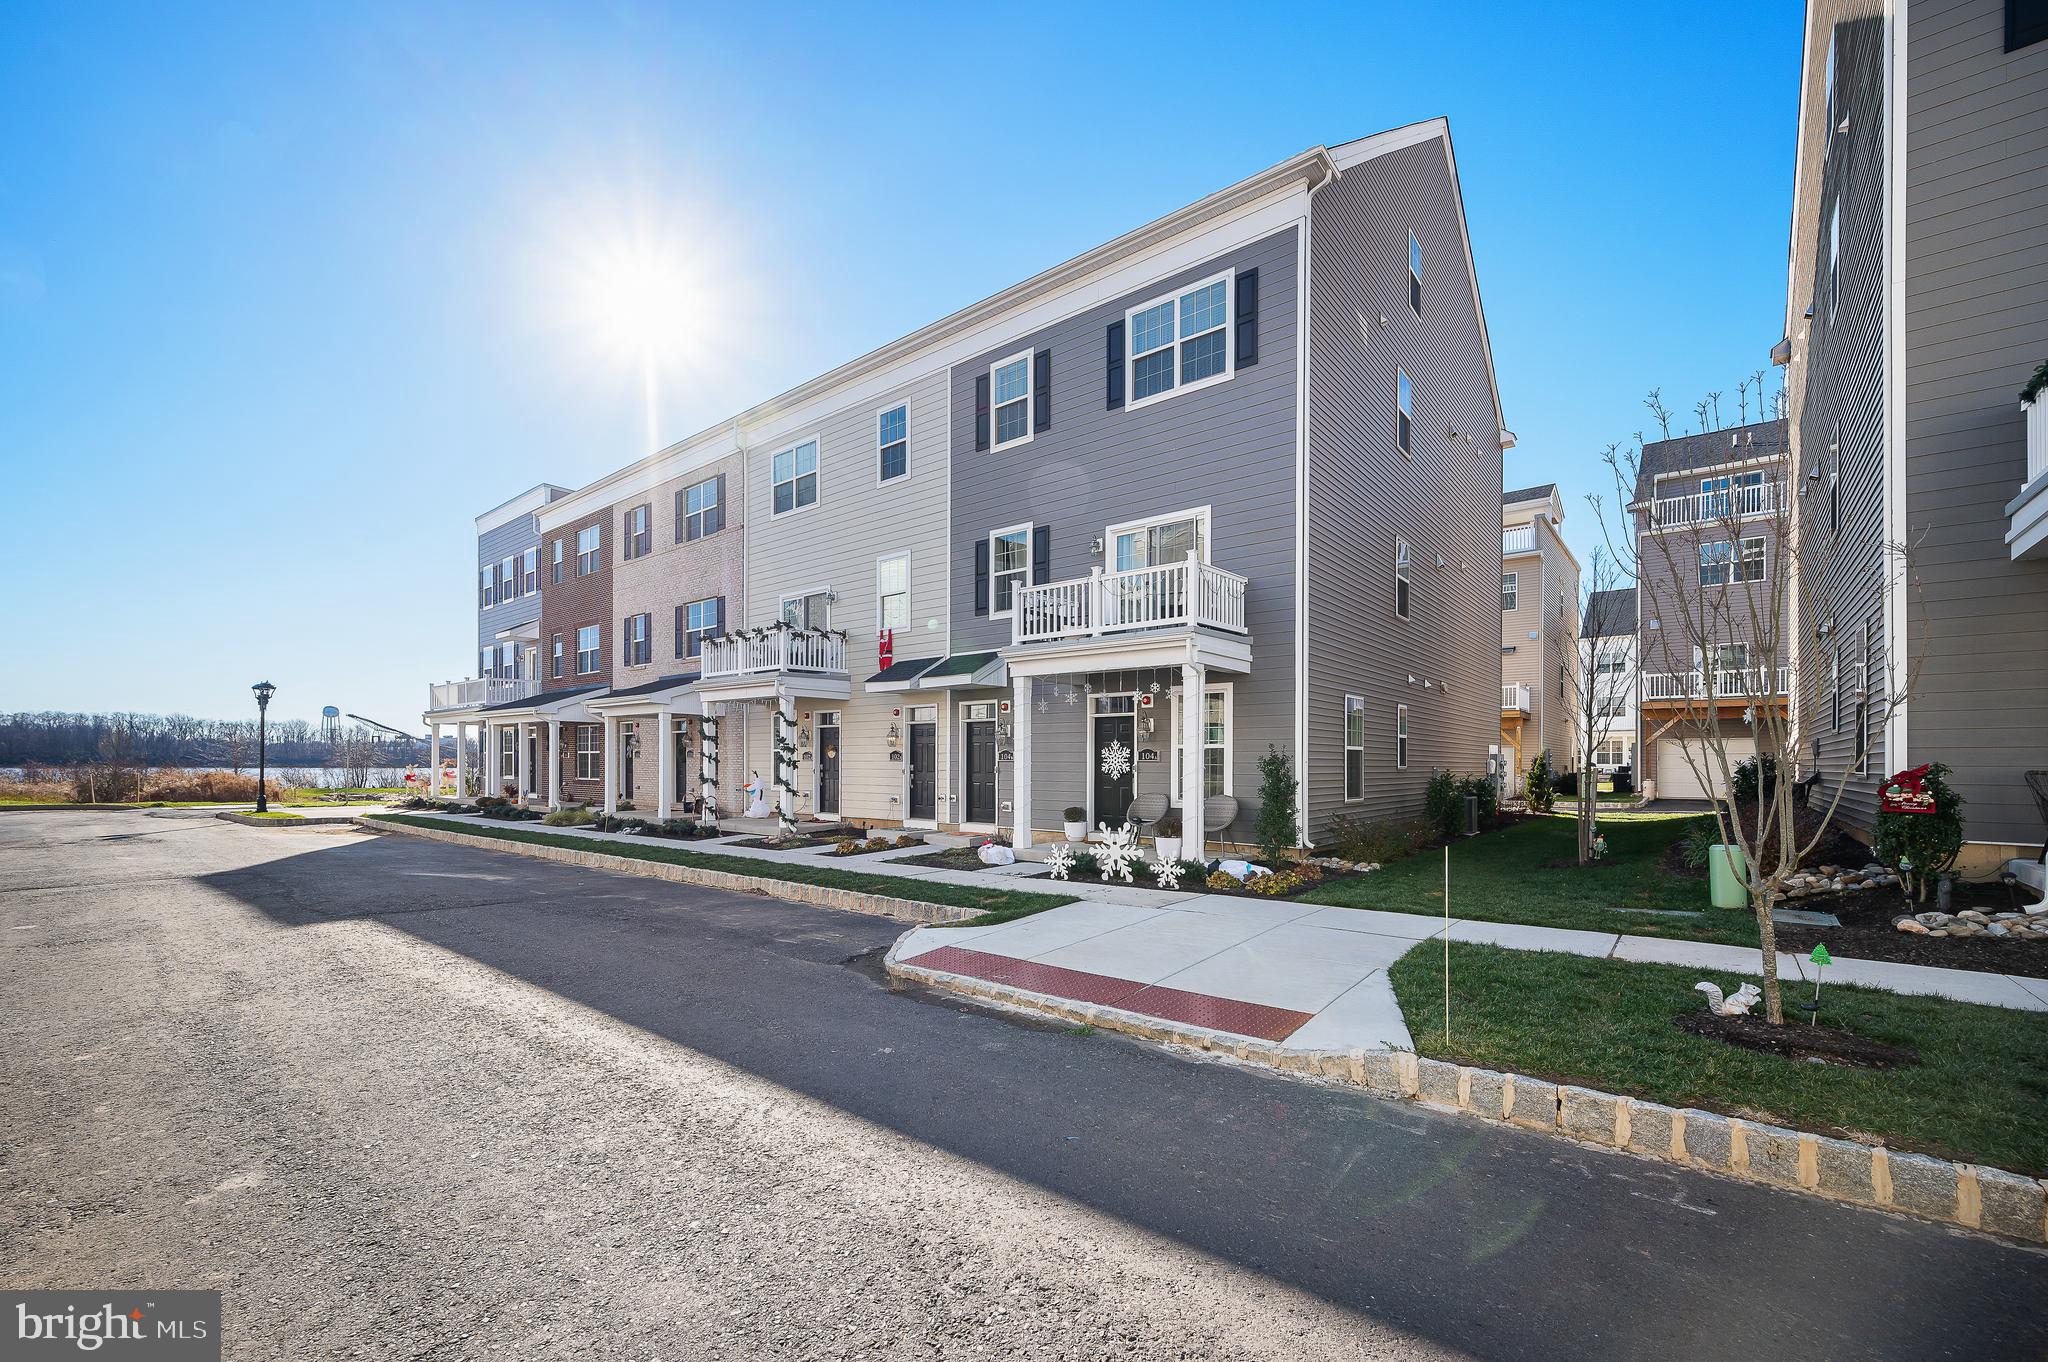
(629, 748)
(681, 793)
(828, 763)
(532, 760)
(1115, 764)
(981, 771)
(924, 785)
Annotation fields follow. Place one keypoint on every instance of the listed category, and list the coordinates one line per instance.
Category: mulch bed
(1867, 933)
(1675, 864)
(1797, 1040)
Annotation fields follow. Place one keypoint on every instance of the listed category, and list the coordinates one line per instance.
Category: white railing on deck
(1520, 539)
(778, 651)
(1173, 595)
(1731, 683)
(2037, 439)
(1515, 697)
(485, 690)
(1707, 507)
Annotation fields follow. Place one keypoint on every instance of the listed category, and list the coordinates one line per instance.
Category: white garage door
(1675, 774)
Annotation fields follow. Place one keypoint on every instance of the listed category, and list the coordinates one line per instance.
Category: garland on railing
(785, 772)
(707, 728)
(767, 631)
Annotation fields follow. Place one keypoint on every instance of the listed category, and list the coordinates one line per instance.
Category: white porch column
(433, 759)
(664, 765)
(785, 767)
(1020, 760)
(489, 742)
(554, 764)
(521, 764)
(461, 759)
(611, 763)
(1192, 713)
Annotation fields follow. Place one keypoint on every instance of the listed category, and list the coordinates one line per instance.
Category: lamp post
(264, 690)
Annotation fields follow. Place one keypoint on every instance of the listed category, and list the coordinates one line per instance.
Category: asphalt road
(399, 1099)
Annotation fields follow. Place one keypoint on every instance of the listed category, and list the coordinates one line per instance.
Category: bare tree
(1714, 400)
(1699, 409)
(1742, 402)
(1601, 680)
(1655, 402)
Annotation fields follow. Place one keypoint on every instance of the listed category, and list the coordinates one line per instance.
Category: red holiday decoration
(888, 647)
(1906, 792)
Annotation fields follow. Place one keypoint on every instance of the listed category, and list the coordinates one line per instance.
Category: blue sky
(287, 297)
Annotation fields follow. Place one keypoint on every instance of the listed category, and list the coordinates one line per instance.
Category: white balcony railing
(2037, 439)
(779, 650)
(1520, 539)
(1174, 595)
(1695, 508)
(1515, 697)
(485, 690)
(1729, 683)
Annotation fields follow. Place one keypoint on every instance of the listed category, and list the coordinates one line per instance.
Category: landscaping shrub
(853, 846)
(1536, 784)
(1373, 842)
(1074, 813)
(568, 818)
(1274, 830)
(1487, 793)
(909, 839)
(1085, 863)
(1219, 879)
(1922, 847)
(677, 827)
(1441, 804)
(1566, 784)
(1274, 884)
(1700, 834)
(1755, 778)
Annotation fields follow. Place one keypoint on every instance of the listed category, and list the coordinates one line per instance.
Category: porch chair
(1145, 809)
(1218, 813)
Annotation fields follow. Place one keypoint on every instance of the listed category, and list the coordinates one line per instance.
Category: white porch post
(785, 768)
(664, 764)
(554, 764)
(522, 765)
(461, 759)
(434, 759)
(490, 755)
(1020, 759)
(1192, 713)
(611, 763)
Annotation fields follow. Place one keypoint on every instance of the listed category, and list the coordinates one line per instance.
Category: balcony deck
(477, 692)
(805, 661)
(1136, 611)
(1712, 508)
(1727, 686)
(1514, 699)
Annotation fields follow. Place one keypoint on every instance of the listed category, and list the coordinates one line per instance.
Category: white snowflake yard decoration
(1118, 851)
(1116, 761)
(1167, 873)
(1059, 862)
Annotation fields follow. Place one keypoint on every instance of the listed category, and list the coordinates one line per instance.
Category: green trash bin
(1725, 878)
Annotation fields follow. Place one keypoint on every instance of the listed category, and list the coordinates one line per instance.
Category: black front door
(681, 793)
(532, 760)
(629, 748)
(924, 788)
(1113, 754)
(981, 771)
(828, 763)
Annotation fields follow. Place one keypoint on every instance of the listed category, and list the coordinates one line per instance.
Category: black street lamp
(264, 690)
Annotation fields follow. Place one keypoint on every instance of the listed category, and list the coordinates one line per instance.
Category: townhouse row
(1222, 486)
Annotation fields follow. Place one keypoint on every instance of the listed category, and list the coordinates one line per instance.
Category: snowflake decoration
(1071, 696)
(1059, 862)
(1116, 761)
(1167, 873)
(1118, 851)
(1044, 705)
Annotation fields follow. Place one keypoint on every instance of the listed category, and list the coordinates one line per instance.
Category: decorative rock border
(1977, 1198)
(817, 895)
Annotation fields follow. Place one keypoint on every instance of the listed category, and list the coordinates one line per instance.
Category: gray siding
(509, 540)
(1445, 497)
(1230, 447)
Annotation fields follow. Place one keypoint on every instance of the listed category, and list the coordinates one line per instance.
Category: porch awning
(965, 669)
(650, 687)
(901, 675)
(567, 704)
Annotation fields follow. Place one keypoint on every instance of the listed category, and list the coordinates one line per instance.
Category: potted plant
(1166, 836)
(1076, 826)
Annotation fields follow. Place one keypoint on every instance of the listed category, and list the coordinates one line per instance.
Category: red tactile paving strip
(1150, 1000)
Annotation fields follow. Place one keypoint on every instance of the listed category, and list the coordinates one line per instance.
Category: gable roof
(1731, 444)
(1609, 614)
(1542, 491)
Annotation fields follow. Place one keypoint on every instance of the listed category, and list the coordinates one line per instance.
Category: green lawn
(995, 904)
(275, 813)
(1495, 877)
(1980, 1092)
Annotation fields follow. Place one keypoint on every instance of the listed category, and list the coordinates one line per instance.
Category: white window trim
(630, 531)
(1511, 583)
(702, 636)
(1027, 528)
(1401, 737)
(596, 652)
(1834, 256)
(1415, 273)
(909, 615)
(1229, 371)
(1110, 533)
(1404, 408)
(596, 555)
(1763, 558)
(995, 441)
(1229, 692)
(904, 476)
(1404, 575)
(782, 605)
(1354, 703)
(791, 448)
(646, 638)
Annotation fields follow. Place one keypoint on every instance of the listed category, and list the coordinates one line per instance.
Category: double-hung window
(1010, 386)
(1749, 564)
(589, 548)
(639, 534)
(1405, 401)
(1835, 480)
(699, 512)
(1401, 737)
(794, 473)
(892, 443)
(1009, 564)
(555, 565)
(892, 592)
(1216, 773)
(1161, 542)
(1714, 560)
(1401, 578)
(555, 656)
(1414, 274)
(589, 640)
(700, 622)
(1510, 590)
(589, 756)
(508, 579)
(529, 571)
(1354, 747)
(1180, 342)
(639, 640)
(487, 588)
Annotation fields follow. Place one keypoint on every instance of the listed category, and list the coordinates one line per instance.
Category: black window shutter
(981, 576)
(682, 515)
(718, 626)
(1116, 365)
(625, 642)
(1247, 319)
(682, 619)
(981, 412)
(721, 506)
(1041, 397)
(1041, 554)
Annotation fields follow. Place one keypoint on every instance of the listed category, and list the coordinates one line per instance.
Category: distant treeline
(51, 738)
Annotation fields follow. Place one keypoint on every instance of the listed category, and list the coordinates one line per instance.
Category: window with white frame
(1510, 590)
(508, 579)
(589, 755)
(555, 656)
(639, 534)
(1216, 772)
(1180, 342)
(639, 642)
(1354, 747)
(1401, 737)
(700, 622)
(1414, 274)
(1401, 578)
(1160, 542)
(1834, 257)
(794, 474)
(1835, 687)
(1749, 564)
(1714, 560)
(701, 512)
(892, 592)
(1610, 752)
(589, 545)
(1405, 402)
(589, 642)
(1610, 658)
(487, 663)
(529, 571)
(892, 443)
(1009, 566)
(487, 588)
(1009, 384)
(1613, 706)
(555, 565)
(1835, 480)
(811, 610)
(508, 659)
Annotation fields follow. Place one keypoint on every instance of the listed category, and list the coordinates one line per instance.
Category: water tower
(330, 724)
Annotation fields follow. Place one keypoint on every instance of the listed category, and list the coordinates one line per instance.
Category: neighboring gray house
(1916, 309)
